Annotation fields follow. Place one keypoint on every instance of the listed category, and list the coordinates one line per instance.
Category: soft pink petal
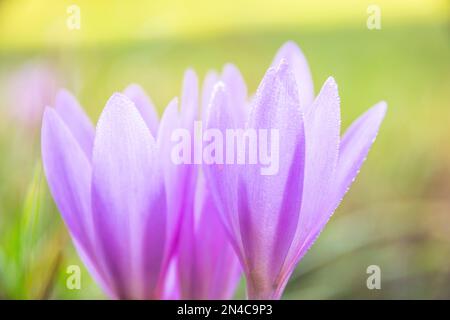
(235, 83)
(292, 54)
(269, 218)
(210, 81)
(128, 199)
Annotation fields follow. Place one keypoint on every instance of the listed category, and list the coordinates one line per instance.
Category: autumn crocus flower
(273, 220)
(179, 180)
(109, 189)
(127, 206)
(206, 264)
(110, 186)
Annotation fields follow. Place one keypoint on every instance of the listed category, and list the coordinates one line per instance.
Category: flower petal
(210, 81)
(322, 130)
(208, 267)
(189, 99)
(128, 199)
(322, 126)
(273, 201)
(223, 178)
(68, 173)
(354, 147)
(173, 174)
(145, 106)
(235, 83)
(76, 120)
(292, 54)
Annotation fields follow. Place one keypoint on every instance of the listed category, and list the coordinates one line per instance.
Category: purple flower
(207, 265)
(273, 220)
(129, 209)
(116, 188)
(109, 189)
(206, 262)
(30, 89)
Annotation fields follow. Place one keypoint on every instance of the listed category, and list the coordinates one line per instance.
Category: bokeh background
(397, 214)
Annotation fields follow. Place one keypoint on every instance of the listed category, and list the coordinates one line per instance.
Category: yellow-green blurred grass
(37, 23)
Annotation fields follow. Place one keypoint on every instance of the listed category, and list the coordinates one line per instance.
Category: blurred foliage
(29, 249)
(397, 214)
(37, 23)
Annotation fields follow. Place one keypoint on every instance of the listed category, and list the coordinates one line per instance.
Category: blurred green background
(397, 214)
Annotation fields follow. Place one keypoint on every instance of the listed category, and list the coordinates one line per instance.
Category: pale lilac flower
(207, 265)
(179, 180)
(273, 220)
(29, 90)
(109, 189)
(116, 188)
(127, 205)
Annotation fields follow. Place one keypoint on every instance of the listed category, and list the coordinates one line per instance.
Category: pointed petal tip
(283, 68)
(121, 112)
(282, 65)
(288, 49)
(376, 113)
(220, 85)
(172, 107)
(190, 87)
(62, 96)
(219, 97)
(119, 100)
(290, 44)
(331, 82)
(220, 91)
(212, 72)
(174, 101)
(381, 107)
(190, 73)
(230, 67)
(117, 106)
(330, 88)
(275, 71)
(169, 116)
(132, 86)
(292, 53)
(189, 96)
(219, 88)
(231, 74)
(210, 77)
(330, 79)
(118, 96)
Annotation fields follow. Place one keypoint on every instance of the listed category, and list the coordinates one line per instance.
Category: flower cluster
(149, 228)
